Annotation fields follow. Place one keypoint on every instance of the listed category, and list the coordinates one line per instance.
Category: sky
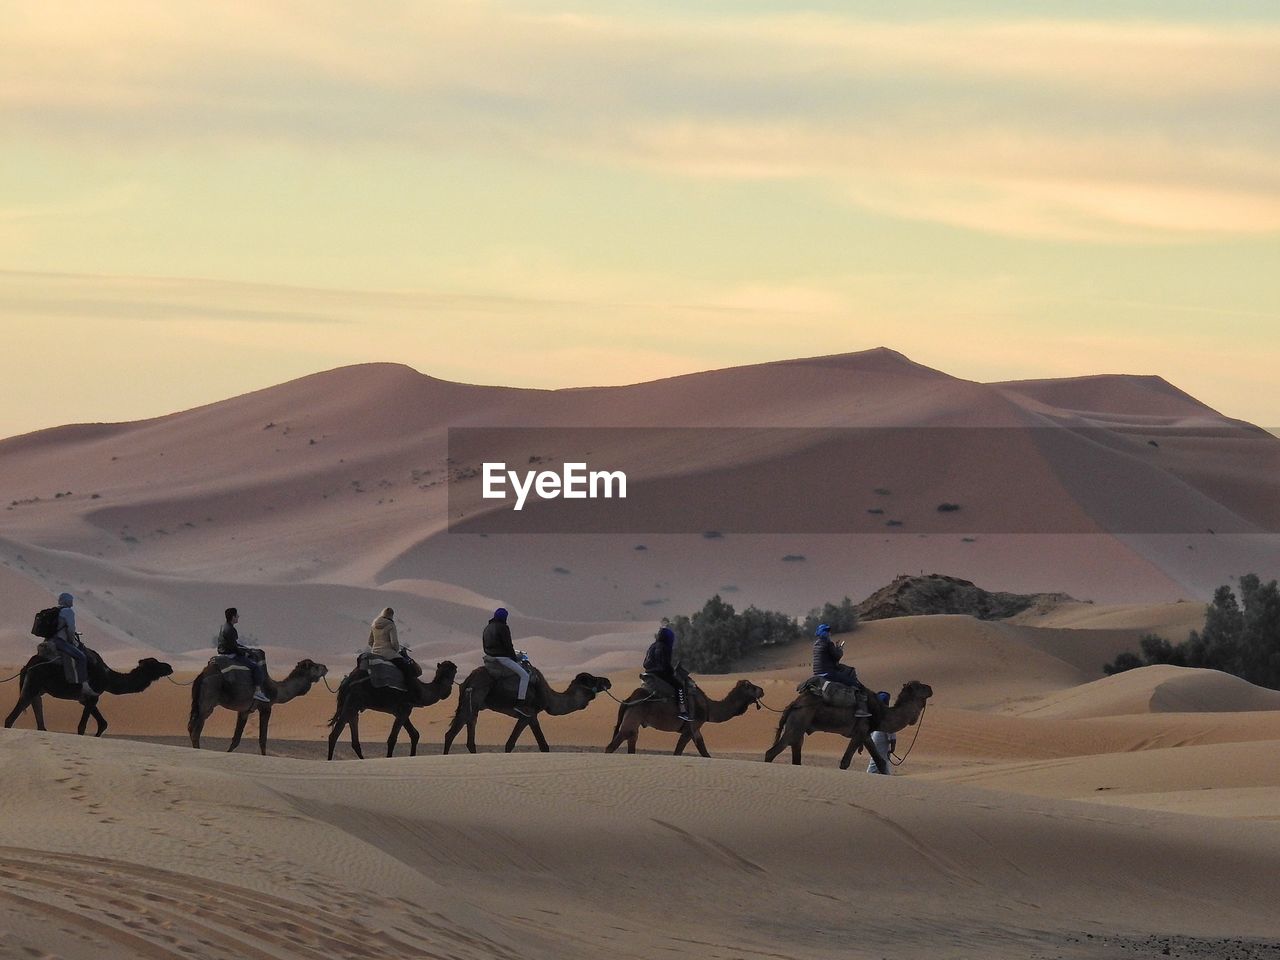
(197, 200)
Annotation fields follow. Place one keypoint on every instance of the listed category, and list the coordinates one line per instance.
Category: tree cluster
(1241, 636)
(717, 636)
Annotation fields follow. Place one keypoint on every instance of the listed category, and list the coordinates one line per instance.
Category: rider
(658, 661)
(229, 646)
(886, 743)
(384, 642)
(826, 664)
(499, 648)
(68, 643)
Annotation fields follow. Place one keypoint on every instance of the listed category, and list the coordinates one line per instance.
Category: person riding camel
(659, 662)
(68, 643)
(384, 641)
(826, 664)
(229, 646)
(499, 649)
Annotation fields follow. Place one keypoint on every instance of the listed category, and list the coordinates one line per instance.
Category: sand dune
(573, 855)
(318, 501)
(1157, 689)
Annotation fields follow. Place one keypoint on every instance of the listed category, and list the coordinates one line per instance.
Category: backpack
(46, 623)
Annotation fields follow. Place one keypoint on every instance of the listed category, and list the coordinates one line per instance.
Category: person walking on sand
(826, 664)
(499, 649)
(659, 661)
(229, 646)
(886, 743)
(67, 640)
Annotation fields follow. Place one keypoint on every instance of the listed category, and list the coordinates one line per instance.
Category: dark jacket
(657, 659)
(826, 656)
(497, 640)
(826, 662)
(228, 639)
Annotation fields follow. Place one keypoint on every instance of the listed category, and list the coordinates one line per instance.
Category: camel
(234, 690)
(480, 691)
(41, 676)
(808, 713)
(356, 694)
(645, 710)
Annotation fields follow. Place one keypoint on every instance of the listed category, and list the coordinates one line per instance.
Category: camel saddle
(506, 682)
(384, 673)
(832, 694)
(657, 686)
(225, 663)
(49, 651)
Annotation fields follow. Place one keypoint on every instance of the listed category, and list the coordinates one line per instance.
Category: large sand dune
(312, 504)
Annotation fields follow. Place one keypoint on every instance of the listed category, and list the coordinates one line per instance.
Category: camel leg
(264, 720)
(355, 736)
(24, 700)
(394, 736)
(683, 741)
(879, 758)
(413, 736)
(471, 733)
(515, 735)
(339, 725)
(454, 727)
(91, 710)
(859, 737)
(619, 734)
(241, 720)
(697, 742)
(631, 740)
(537, 735)
(778, 746)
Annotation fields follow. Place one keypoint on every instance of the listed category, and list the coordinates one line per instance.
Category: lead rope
(14, 677)
(919, 724)
(631, 703)
(178, 683)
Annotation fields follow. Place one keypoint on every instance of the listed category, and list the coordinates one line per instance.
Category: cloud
(1078, 130)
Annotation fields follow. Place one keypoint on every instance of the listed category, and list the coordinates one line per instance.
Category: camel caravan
(387, 679)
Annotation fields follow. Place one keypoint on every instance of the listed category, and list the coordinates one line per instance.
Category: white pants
(515, 667)
(881, 740)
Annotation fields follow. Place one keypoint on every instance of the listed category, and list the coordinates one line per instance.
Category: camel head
(310, 669)
(149, 668)
(594, 684)
(915, 690)
(749, 692)
(446, 670)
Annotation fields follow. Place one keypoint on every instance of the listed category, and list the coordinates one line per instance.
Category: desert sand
(1038, 813)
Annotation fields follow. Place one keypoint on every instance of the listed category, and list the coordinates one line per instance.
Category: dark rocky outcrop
(935, 593)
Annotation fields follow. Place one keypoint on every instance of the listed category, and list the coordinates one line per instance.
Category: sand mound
(150, 851)
(1157, 689)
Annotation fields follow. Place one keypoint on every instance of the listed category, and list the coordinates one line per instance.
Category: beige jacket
(383, 641)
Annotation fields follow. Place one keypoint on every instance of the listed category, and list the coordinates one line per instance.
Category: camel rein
(919, 724)
(632, 703)
(14, 677)
(178, 683)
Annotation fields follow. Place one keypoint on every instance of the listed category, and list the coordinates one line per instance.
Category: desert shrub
(841, 617)
(1241, 636)
(717, 635)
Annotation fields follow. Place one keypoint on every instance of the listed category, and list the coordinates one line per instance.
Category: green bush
(840, 618)
(717, 636)
(1240, 636)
